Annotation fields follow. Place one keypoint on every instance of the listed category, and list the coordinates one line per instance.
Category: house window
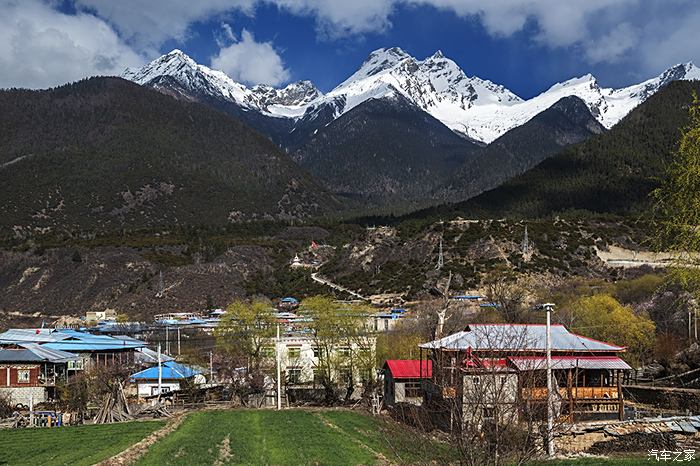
(268, 351)
(23, 376)
(475, 381)
(293, 352)
(412, 388)
(344, 375)
(76, 365)
(344, 351)
(154, 390)
(489, 414)
(317, 352)
(318, 377)
(293, 376)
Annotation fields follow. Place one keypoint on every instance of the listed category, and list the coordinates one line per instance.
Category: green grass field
(80, 445)
(252, 437)
(293, 437)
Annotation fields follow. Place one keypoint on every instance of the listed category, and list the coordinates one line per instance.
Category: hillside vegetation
(105, 153)
(610, 173)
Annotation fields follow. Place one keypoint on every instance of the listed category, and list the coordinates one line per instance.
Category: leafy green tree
(603, 317)
(677, 209)
(346, 349)
(245, 333)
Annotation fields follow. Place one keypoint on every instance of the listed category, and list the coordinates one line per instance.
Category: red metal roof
(410, 368)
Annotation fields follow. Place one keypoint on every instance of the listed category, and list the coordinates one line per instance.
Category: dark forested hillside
(386, 152)
(610, 173)
(105, 152)
(568, 121)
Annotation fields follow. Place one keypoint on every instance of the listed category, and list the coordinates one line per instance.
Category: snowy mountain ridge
(474, 107)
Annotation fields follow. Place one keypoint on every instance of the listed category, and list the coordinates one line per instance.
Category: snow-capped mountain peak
(475, 107)
(177, 66)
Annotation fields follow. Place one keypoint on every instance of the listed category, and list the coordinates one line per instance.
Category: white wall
(145, 388)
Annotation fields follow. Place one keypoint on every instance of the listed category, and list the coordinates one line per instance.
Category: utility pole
(694, 306)
(211, 366)
(279, 371)
(178, 340)
(689, 326)
(550, 391)
(167, 340)
(525, 246)
(160, 373)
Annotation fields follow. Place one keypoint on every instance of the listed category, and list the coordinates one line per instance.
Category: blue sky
(525, 45)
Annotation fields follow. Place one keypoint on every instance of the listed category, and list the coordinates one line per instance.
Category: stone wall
(22, 394)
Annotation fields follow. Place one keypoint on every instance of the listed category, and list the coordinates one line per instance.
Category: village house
(497, 373)
(301, 361)
(29, 372)
(172, 377)
(91, 349)
(403, 380)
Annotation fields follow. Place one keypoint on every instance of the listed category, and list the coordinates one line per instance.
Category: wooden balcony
(580, 394)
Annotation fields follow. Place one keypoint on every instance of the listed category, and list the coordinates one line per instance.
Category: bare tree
(444, 296)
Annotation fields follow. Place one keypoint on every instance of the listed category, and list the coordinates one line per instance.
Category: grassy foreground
(79, 445)
(293, 437)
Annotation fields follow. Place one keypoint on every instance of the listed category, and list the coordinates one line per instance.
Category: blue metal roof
(289, 299)
(169, 370)
(68, 340)
(32, 352)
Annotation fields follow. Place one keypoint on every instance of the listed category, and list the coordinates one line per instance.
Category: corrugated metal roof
(518, 337)
(569, 362)
(31, 335)
(149, 356)
(169, 370)
(68, 340)
(32, 352)
(410, 368)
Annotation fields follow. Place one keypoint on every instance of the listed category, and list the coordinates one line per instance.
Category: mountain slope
(105, 152)
(567, 122)
(385, 152)
(610, 173)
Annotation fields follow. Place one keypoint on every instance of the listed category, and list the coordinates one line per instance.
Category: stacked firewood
(114, 407)
(155, 411)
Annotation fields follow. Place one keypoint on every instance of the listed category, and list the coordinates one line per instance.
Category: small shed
(402, 380)
(172, 374)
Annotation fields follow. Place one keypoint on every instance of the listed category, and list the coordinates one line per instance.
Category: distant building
(100, 316)
(403, 378)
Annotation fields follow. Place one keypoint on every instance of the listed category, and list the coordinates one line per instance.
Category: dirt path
(137, 450)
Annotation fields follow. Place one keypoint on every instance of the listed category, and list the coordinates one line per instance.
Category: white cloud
(149, 23)
(40, 47)
(251, 62)
(613, 46)
(338, 18)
